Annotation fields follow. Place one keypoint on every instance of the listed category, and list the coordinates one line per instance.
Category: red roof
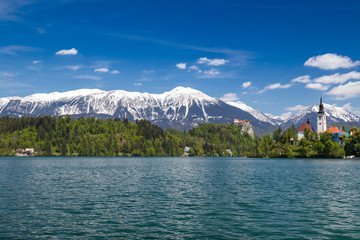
(305, 125)
(238, 121)
(334, 130)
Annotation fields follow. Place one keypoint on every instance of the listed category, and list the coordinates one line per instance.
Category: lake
(179, 198)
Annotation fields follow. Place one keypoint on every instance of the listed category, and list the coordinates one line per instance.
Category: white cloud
(7, 74)
(285, 115)
(74, 68)
(229, 97)
(331, 61)
(10, 10)
(148, 71)
(10, 85)
(338, 78)
(195, 68)
(36, 61)
(115, 72)
(351, 109)
(41, 30)
(302, 79)
(102, 64)
(138, 84)
(13, 49)
(72, 51)
(144, 79)
(212, 62)
(181, 65)
(212, 72)
(349, 90)
(317, 86)
(96, 78)
(103, 70)
(246, 84)
(275, 86)
(295, 108)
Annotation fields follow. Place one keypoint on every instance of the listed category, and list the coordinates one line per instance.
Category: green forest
(66, 136)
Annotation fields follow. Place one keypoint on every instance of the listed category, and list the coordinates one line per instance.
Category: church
(321, 119)
(320, 123)
(338, 135)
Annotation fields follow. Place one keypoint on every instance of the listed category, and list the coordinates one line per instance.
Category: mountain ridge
(181, 108)
(334, 114)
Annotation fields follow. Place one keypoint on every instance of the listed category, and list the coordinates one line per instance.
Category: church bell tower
(321, 118)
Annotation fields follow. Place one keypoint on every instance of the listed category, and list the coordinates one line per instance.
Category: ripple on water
(212, 198)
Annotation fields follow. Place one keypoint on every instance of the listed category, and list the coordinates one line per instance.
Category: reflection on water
(215, 198)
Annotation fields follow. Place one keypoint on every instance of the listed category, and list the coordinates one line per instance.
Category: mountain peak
(189, 94)
(181, 107)
(184, 90)
(60, 95)
(333, 114)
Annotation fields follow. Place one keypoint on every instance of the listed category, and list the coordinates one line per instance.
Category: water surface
(179, 198)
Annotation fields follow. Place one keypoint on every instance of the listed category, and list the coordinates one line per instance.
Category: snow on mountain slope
(181, 107)
(257, 114)
(54, 96)
(102, 102)
(279, 119)
(333, 114)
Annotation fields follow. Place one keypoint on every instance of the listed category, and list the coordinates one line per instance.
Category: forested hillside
(285, 144)
(66, 136)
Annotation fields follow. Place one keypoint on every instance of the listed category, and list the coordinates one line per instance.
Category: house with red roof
(237, 121)
(302, 128)
(338, 135)
(245, 126)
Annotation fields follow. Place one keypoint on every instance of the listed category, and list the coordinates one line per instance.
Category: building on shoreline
(321, 118)
(338, 135)
(20, 152)
(245, 126)
(302, 128)
(321, 127)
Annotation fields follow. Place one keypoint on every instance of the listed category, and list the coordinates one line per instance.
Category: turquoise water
(179, 198)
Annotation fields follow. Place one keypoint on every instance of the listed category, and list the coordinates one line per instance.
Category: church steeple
(321, 118)
(321, 106)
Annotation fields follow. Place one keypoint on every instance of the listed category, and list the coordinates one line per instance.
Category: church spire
(321, 106)
(321, 118)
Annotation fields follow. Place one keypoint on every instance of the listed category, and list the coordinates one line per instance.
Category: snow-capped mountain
(180, 108)
(279, 119)
(263, 117)
(333, 114)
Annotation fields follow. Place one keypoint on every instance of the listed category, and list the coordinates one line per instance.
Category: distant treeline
(285, 144)
(65, 136)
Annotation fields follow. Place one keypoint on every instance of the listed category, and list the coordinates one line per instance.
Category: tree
(353, 129)
(266, 145)
(344, 128)
(63, 148)
(325, 136)
(329, 148)
(288, 151)
(305, 148)
(47, 148)
(337, 151)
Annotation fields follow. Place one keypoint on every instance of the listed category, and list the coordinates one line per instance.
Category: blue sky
(276, 56)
